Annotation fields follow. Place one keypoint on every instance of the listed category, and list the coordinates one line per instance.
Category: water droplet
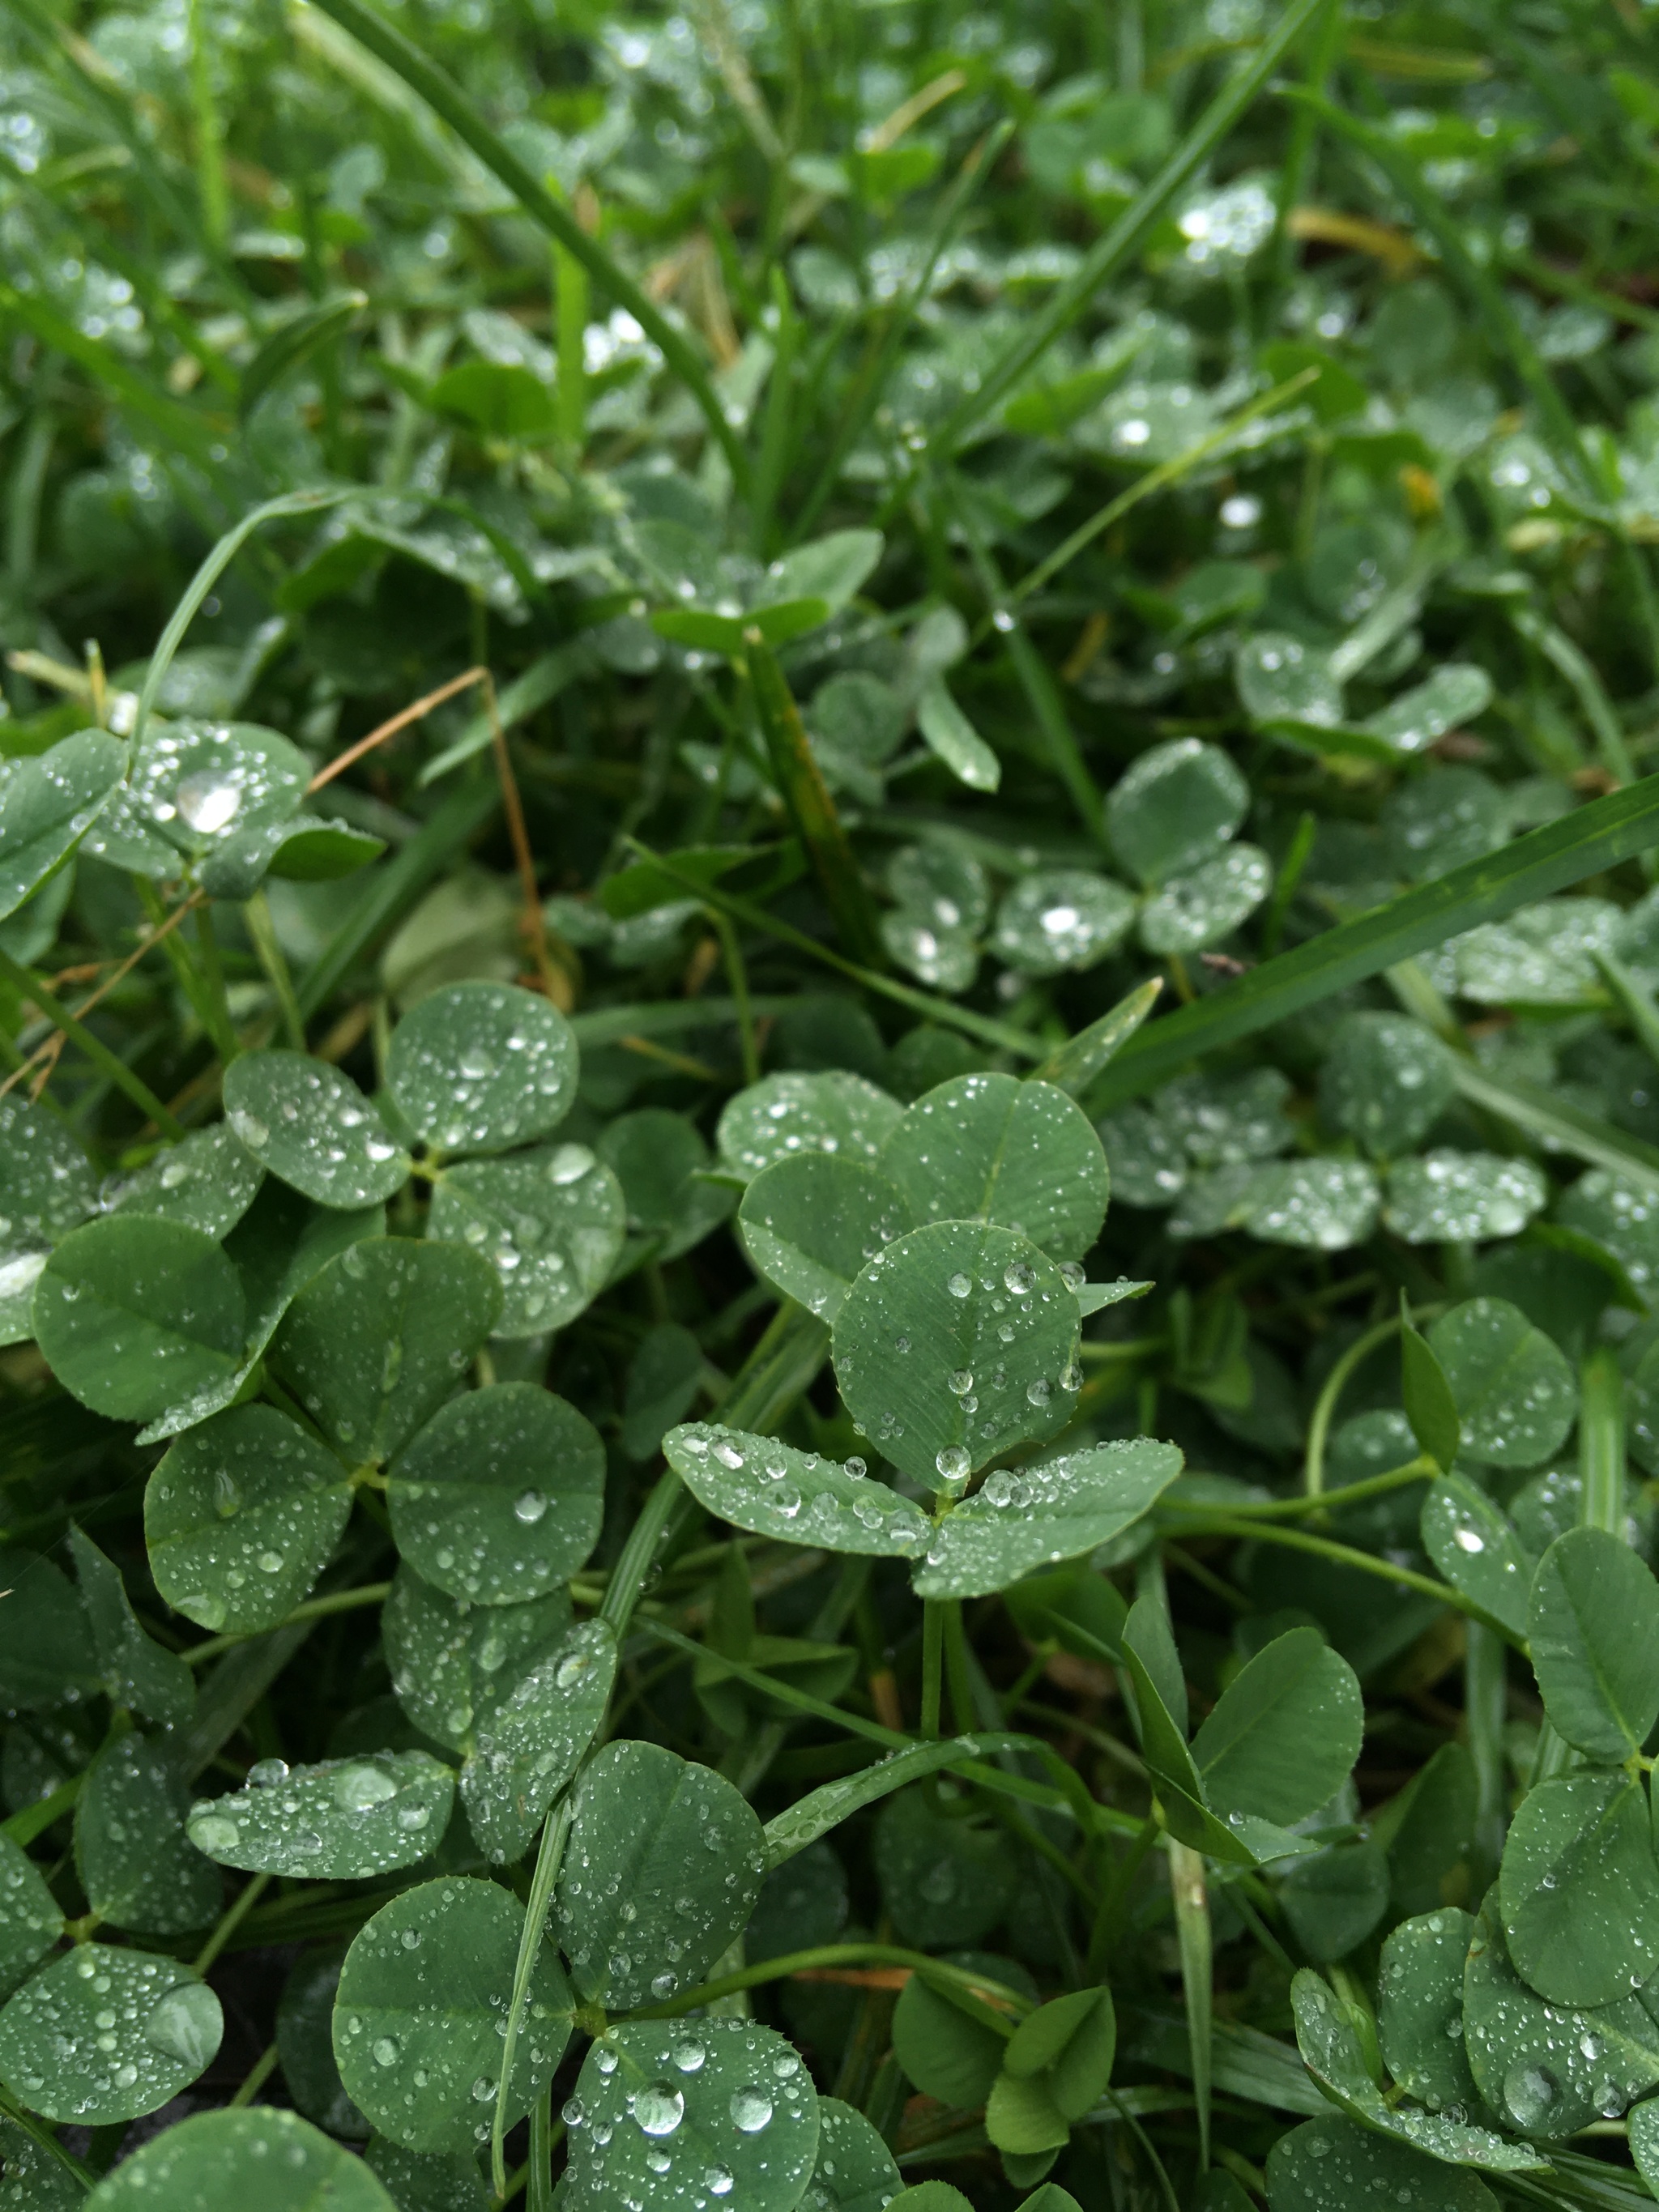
(688, 2056)
(953, 1464)
(1019, 1276)
(658, 2108)
(359, 1787)
(1037, 1393)
(186, 2021)
(717, 2181)
(529, 1507)
(212, 1833)
(266, 1773)
(959, 1285)
(962, 1382)
(384, 2050)
(751, 2109)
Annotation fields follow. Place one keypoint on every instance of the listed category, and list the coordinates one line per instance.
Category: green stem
(210, 184)
(1322, 1501)
(222, 1029)
(1344, 1555)
(314, 1608)
(570, 314)
(546, 2134)
(1297, 174)
(548, 1858)
(630, 1575)
(262, 931)
(1313, 1465)
(1484, 1706)
(26, 986)
(246, 1898)
(257, 2075)
(932, 1662)
(736, 974)
(1602, 1440)
(188, 976)
(954, 1981)
(957, 1671)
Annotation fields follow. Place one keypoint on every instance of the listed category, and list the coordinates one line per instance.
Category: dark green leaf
(1580, 1889)
(135, 1314)
(993, 1148)
(661, 1869)
(479, 1067)
(811, 1222)
(311, 1126)
(345, 1821)
(417, 2030)
(137, 1866)
(1285, 1734)
(61, 2054)
(48, 804)
(778, 1491)
(1594, 1625)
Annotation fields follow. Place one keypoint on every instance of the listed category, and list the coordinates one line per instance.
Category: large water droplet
(751, 2109)
(658, 2108)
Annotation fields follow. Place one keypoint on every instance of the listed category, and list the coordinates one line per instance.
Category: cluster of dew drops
(658, 2109)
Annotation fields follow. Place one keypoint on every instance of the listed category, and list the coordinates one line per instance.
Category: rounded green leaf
(428, 2181)
(1644, 2142)
(1334, 1899)
(133, 1315)
(1471, 1543)
(856, 2171)
(1580, 1889)
(1456, 692)
(1319, 1206)
(417, 2020)
(658, 1159)
(1544, 955)
(35, 2179)
(1021, 2118)
(1070, 2042)
(1031, 1516)
(1542, 2068)
(526, 1748)
(31, 1919)
(810, 1223)
(1450, 1197)
(992, 1148)
(1386, 1080)
(1199, 910)
(776, 1490)
(1281, 679)
(136, 1670)
(1593, 1622)
(377, 1340)
(944, 1880)
(194, 786)
(311, 1126)
(1283, 1737)
(1436, 822)
(500, 1495)
(947, 732)
(552, 1223)
(1148, 1161)
(1332, 2165)
(1624, 1215)
(345, 1821)
(945, 2052)
(1062, 918)
(667, 2111)
(956, 1343)
(479, 1067)
(1177, 807)
(210, 1181)
(138, 1867)
(661, 1869)
(48, 803)
(1419, 2008)
(451, 1662)
(240, 1517)
(260, 2161)
(1515, 1391)
(46, 1182)
(46, 1654)
(783, 1114)
(101, 2035)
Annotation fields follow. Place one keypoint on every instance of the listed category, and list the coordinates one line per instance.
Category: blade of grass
(1532, 867)
(1195, 1943)
(1110, 254)
(286, 503)
(806, 796)
(439, 90)
(1561, 1126)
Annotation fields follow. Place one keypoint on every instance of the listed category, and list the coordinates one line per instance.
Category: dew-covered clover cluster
(828, 1107)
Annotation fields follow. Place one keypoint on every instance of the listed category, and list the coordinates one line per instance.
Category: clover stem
(932, 1655)
(548, 1862)
(1601, 1441)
